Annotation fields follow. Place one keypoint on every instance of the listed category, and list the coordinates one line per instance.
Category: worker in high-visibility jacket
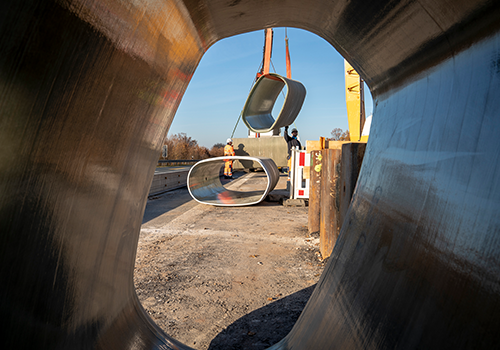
(291, 142)
(228, 165)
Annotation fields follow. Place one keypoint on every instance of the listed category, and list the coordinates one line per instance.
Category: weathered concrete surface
(268, 147)
(216, 278)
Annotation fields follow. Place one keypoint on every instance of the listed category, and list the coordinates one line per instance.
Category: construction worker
(228, 165)
(291, 141)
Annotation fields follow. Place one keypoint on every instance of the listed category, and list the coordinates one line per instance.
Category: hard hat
(294, 130)
(229, 141)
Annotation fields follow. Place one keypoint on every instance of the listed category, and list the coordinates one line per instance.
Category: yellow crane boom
(355, 102)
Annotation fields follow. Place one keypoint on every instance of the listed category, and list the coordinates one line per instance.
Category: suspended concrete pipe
(257, 113)
(205, 186)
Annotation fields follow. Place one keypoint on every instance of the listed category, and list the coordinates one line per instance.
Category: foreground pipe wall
(417, 263)
(88, 90)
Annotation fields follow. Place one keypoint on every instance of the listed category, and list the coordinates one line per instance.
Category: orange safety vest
(228, 151)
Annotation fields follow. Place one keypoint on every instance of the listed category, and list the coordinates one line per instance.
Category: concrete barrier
(169, 180)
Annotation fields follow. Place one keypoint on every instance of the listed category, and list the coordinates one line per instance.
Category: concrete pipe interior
(205, 186)
(89, 89)
(257, 112)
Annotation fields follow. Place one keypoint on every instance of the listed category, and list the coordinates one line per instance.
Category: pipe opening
(258, 109)
(205, 184)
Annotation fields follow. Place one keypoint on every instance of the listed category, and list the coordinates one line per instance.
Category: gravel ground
(225, 277)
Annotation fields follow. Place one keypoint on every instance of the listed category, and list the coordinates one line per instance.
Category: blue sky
(221, 84)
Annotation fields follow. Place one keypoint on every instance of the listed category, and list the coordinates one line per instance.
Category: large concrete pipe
(205, 186)
(257, 112)
(88, 89)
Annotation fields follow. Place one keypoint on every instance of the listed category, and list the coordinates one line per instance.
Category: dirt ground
(225, 277)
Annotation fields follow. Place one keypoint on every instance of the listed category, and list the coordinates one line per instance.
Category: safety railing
(167, 162)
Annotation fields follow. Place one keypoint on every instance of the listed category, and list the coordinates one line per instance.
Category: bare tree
(217, 150)
(181, 146)
(339, 135)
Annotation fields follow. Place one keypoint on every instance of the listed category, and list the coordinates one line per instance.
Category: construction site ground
(225, 277)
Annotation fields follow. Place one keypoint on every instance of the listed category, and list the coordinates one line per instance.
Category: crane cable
(241, 113)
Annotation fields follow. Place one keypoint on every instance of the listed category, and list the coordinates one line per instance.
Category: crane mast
(355, 103)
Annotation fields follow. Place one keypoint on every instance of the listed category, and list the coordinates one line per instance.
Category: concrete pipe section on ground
(257, 112)
(205, 186)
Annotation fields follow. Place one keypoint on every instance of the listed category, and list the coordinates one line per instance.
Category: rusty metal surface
(329, 225)
(205, 186)
(257, 112)
(314, 210)
(88, 90)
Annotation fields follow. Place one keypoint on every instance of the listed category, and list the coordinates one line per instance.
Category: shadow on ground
(163, 203)
(265, 326)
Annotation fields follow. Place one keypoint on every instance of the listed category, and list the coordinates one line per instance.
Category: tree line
(181, 146)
